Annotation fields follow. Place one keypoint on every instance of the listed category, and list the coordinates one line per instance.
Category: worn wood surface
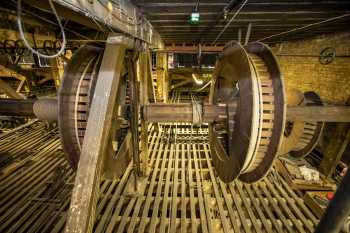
(86, 188)
(319, 113)
(335, 148)
(35, 195)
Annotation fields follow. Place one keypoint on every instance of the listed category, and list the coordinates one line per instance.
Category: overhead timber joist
(118, 17)
(171, 19)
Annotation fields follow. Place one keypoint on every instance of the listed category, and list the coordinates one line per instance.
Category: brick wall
(331, 81)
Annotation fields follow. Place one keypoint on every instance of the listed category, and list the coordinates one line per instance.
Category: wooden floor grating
(181, 193)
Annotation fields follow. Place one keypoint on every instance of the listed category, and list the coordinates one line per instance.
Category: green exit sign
(194, 18)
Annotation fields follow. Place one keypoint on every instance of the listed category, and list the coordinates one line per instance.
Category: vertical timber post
(166, 78)
(162, 79)
(135, 105)
(151, 91)
(145, 80)
(86, 189)
(57, 71)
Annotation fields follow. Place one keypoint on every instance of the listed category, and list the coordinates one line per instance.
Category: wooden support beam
(6, 72)
(182, 83)
(86, 189)
(7, 34)
(9, 91)
(145, 81)
(162, 76)
(335, 148)
(319, 113)
(191, 49)
(97, 15)
(175, 112)
(151, 90)
(17, 107)
(134, 110)
(184, 112)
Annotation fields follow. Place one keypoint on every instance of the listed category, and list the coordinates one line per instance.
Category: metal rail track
(181, 194)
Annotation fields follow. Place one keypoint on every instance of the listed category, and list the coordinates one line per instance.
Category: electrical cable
(21, 32)
(229, 22)
(197, 5)
(306, 26)
(50, 22)
(230, 5)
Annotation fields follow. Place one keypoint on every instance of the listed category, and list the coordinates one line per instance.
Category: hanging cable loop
(21, 31)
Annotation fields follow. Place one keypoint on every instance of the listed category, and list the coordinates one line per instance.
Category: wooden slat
(182, 193)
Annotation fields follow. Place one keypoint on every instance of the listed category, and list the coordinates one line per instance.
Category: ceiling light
(194, 18)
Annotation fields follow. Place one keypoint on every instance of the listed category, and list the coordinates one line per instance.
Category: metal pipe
(247, 35)
(305, 27)
(230, 5)
(338, 209)
(239, 36)
(230, 21)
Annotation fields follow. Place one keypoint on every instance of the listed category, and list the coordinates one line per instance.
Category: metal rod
(338, 209)
(239, 36)
(230, 21)
(305, 27)
(247, 35)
